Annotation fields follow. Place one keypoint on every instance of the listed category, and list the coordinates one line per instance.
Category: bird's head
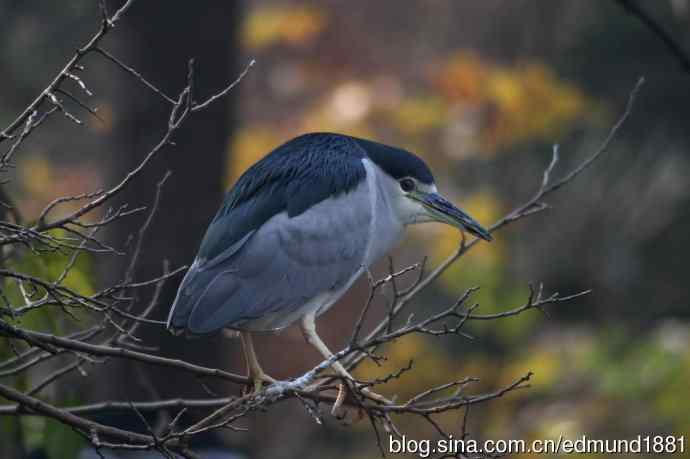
(423, 203)
(413, 190)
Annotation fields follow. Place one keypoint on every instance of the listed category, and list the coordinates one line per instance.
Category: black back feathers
(396, 162)
(298, 174)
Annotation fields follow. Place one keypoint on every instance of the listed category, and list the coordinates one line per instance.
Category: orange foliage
(520, 103)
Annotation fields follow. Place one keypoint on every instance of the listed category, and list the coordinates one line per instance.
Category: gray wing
(279, 267)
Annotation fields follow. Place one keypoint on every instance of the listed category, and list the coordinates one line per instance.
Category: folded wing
(277, 268)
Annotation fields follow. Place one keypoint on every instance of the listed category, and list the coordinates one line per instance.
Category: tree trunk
(157, 39)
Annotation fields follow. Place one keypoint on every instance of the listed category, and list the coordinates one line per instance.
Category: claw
(336, 410)
(257, 381)
(339, 411)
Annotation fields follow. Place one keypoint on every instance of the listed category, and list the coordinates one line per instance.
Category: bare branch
(671, 44)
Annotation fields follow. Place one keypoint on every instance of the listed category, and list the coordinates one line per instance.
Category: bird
(297, 229)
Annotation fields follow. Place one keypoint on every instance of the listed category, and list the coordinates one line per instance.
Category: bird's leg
(308, 326)
(256, 374)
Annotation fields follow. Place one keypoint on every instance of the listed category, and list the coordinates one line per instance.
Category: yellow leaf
(420, 114)
(295, 25)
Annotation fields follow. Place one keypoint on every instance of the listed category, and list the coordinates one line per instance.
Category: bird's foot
(256, 383)
(340, 410)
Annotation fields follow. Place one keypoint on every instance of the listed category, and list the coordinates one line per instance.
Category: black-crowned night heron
(296, 231)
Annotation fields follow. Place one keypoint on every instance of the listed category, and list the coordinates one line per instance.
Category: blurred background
(480, 90)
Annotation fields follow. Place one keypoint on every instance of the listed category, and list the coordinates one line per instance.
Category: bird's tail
(190, 290)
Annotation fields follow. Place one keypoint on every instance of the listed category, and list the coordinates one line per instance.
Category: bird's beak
(444, 211)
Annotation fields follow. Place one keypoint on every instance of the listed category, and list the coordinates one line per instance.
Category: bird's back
(287, 232)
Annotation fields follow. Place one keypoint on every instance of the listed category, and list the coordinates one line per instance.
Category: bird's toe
(257, 382)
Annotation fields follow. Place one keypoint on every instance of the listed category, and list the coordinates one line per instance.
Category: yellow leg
(256, 373)
(309, 330)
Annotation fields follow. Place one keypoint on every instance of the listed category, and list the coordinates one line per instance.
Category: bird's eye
(407, 185)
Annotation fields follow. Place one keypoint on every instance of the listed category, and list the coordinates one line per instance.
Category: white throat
(408, 211)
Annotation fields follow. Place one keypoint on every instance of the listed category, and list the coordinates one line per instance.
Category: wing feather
(255, 228)
(279, 267)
